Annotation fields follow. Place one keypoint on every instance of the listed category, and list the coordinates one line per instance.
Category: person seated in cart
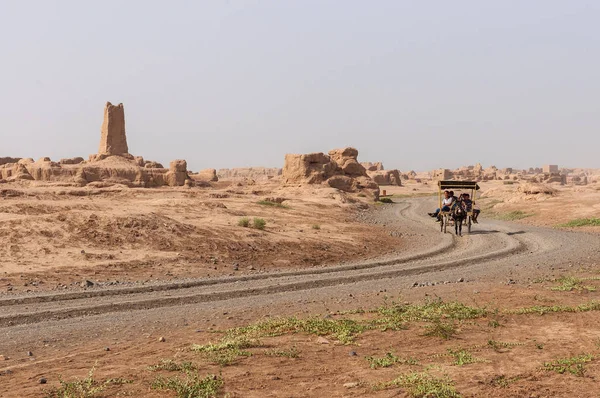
(447, 202)
(467, 204)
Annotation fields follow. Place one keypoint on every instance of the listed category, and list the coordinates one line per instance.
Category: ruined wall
(340, 169)
(113, 140)
(386, 177)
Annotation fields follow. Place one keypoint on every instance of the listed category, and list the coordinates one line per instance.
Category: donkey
(458, 214)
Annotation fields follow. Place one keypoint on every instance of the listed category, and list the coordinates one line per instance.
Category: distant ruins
(111, 165)
(546, 174)
(254, 173)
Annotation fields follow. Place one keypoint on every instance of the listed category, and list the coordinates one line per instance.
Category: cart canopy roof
(458, 185)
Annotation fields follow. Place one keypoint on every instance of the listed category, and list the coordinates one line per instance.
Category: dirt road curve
(492, 250)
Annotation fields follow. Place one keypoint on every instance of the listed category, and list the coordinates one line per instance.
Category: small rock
(161, 339)
(4, 358)
(83, 252)
(43, 381)
(415, 284)
(461, 280)
(350, 385)
(29, 353)
(106, 348)
(352, 353)
(275, 378)
(236, 267)
(87, 283)
(251, 268)
(322, 340)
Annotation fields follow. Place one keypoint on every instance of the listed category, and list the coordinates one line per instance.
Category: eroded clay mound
(386, 177)
(339, 169)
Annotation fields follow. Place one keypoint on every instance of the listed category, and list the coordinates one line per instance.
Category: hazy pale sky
(415, 84)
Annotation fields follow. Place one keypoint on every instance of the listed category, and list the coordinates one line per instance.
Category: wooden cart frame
(456, 185)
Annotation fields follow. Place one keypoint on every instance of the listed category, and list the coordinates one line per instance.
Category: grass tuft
(388, 360)
(574, 365)
(291, 353)
(259, 223)
(191, 386)
(546, 309)
(344, 330)
(83, 388)
(272, 204)
(422, 385)
(582, 222)
(172, 366)
(244, 222)
(463, 357)
(442, 329)
(228, 351)
(570, 283)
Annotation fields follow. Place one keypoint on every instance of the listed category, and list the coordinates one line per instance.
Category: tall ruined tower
(113, 140)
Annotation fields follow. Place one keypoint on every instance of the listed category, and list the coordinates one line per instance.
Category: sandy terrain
(174, 263)
(58, 237)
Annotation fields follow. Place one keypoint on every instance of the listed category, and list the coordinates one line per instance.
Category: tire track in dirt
(68, 305)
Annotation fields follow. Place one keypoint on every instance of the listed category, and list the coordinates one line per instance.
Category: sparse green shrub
(227, 352)
(258, 223)
(499, 345)
(424, 385)
(463, 357)
(172, 366)
(386, 200)
(191, 386)
(244, 222)
(344, 330)
(388, 360)
(291, 353)
(545, 309)
(582, 222)
(442, 329)
(574, 365)
(316, 226)
(570, 283)
(83, 388)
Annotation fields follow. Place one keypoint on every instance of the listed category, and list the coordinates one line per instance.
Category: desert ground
(246, 288)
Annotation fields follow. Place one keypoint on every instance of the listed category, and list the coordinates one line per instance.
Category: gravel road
(491, 251)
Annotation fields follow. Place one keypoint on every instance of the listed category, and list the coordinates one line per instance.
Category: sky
(417, 85)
